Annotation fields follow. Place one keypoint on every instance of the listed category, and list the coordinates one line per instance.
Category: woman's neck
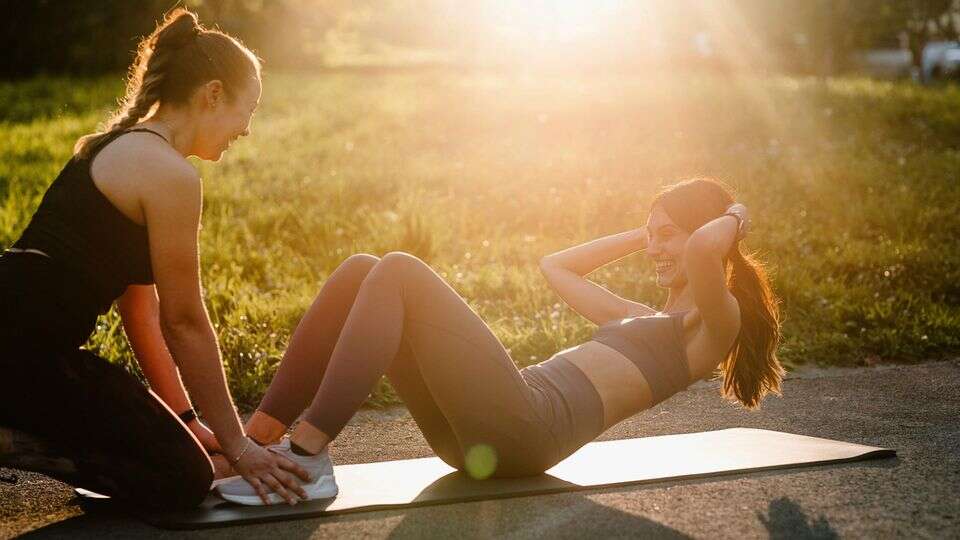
(177, 126)
(679, 299)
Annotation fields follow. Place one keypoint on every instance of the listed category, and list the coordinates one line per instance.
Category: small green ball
(480, 461)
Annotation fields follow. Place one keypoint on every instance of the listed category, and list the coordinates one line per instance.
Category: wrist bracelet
(188, 415)
(234, 461)
(740, 222)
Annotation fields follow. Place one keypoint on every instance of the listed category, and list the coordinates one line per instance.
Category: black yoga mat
(426, 481)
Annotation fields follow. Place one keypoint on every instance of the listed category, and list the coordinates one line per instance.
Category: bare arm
(566, 270)
(172, 204)
(704, 253)
(169, 193)
(140, 312)
(172, 213)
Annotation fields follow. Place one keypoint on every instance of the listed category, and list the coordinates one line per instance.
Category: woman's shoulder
(140, 156)
(140, 170)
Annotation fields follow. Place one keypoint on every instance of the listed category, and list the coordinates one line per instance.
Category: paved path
(911, 408)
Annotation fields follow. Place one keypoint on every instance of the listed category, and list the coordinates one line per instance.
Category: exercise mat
(427, 481)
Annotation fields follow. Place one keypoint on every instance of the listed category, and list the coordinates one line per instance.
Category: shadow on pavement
(785, 519)
(95, 525)
(573, 517)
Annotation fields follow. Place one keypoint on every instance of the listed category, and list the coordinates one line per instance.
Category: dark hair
(751, 370)
(173, 61)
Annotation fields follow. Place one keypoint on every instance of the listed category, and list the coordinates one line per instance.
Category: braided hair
(173, 61)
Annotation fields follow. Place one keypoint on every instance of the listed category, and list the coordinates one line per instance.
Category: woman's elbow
(553, 261)
(177, 322)
(551, 270)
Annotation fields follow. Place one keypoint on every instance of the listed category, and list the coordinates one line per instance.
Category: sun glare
(551, 21)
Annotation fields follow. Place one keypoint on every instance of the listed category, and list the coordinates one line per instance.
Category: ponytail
(752, 369)
(174, 60)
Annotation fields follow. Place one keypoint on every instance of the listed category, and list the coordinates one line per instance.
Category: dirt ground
(912, 408)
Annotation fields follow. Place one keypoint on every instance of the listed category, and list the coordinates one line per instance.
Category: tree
(929, 20)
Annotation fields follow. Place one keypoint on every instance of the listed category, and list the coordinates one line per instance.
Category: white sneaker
(322, 485)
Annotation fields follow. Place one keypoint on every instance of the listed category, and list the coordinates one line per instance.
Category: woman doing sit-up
(396, 316)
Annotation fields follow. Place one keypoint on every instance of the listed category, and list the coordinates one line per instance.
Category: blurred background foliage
(539, 125)
(812, 36)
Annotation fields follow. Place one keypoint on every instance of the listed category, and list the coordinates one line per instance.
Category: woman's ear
(213, 93)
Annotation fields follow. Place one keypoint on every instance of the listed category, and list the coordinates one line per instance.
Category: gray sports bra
(655, 344)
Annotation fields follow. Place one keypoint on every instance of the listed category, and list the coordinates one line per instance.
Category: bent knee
(402, 258)
(397, 262)
(184, 477)
(196, 492)
(361, 261)
(177, 486)
(195, 484)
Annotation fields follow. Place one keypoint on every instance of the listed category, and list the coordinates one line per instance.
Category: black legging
(102, 429)
(397, 317)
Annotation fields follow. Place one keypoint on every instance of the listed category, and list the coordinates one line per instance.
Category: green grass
(852, 184)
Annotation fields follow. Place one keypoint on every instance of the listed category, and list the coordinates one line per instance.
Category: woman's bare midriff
(621, 385)
(622, 388)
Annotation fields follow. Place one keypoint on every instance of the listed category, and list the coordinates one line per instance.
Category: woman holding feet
(120, 223)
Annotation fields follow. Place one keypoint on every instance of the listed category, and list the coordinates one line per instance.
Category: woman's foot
(322, 484)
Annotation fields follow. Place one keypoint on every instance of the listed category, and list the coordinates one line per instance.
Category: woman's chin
(211, 154)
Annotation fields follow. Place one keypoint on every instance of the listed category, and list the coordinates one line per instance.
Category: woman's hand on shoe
(267, 472)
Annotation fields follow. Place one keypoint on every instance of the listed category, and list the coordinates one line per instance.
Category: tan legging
(397, 317)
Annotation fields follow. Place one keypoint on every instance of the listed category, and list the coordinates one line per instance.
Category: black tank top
(81, 230)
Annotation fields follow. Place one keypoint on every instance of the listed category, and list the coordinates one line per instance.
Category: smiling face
(665, 246)
(225, 118)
